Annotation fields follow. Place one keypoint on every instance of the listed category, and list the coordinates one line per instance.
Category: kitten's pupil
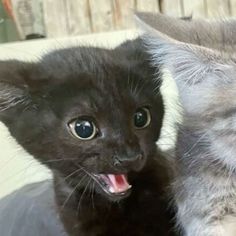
(84, 129)
(142, 118)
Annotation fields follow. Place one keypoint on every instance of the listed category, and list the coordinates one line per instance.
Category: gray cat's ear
(195, 69)
(13, 84)
(176, 28)
(196, 31)
(188, 63)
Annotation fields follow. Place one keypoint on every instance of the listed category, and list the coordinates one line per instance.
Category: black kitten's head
(87, 113)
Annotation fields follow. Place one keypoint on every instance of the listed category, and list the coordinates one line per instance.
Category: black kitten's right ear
(13, 84)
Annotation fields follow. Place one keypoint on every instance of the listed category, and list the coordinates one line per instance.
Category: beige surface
(16, 166)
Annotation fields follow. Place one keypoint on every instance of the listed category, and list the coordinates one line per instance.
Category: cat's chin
(115, 187)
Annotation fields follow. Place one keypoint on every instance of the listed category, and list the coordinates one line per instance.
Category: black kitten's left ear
(14, 89)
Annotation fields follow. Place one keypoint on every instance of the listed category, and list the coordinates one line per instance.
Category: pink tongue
(118, 183)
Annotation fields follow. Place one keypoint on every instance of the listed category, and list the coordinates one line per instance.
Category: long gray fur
(205, 186)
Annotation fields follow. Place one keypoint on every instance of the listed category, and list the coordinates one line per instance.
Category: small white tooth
(111, 189)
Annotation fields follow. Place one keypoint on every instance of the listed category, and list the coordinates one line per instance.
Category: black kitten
(93, 116)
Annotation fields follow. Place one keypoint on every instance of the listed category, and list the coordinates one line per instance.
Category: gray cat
(205, 186)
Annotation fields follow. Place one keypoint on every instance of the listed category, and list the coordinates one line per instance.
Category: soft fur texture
(205, 187)
(39, 99)
(217, 34)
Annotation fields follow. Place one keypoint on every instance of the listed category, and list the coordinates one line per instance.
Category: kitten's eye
(83, 129)
(142, 118)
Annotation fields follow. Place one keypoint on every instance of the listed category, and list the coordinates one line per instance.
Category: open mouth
(113, 185)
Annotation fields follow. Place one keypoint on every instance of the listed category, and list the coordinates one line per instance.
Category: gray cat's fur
(205, 186)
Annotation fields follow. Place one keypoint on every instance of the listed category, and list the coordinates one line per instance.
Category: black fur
(39, 99)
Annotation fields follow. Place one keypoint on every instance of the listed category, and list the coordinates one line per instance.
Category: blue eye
(83, 129)
(142, 118)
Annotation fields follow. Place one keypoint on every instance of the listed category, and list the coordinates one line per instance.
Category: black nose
(125, 160)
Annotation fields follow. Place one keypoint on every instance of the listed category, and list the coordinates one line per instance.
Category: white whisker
(72, 192)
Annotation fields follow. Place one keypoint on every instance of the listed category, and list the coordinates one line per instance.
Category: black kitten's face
(94, 125)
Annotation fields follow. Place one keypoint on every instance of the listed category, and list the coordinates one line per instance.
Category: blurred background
(30, 19)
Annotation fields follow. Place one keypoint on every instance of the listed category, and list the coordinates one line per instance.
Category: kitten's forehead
(97, 75)
(88, 94)
(77, 60)
(92, 98)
